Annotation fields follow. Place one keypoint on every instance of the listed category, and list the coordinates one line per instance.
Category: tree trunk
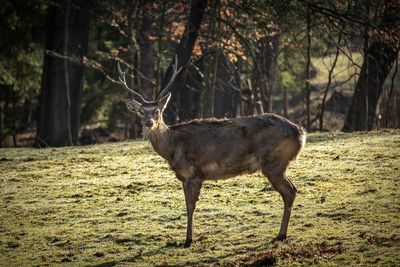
(214, 75)
(380, 60)
(308, 65)
(66, 76)
(388, 109)
(51, 128)
(285, 97)
(189, 105)
(379, 57)
(268, 57)
(285, 102)
(160, 43)
(131, 124)
(146, 63)
(184, 51)
(255, 90)
(224, 94)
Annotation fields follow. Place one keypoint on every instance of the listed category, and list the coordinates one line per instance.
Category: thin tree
(328, 85)
(66, 76)
(308, 65)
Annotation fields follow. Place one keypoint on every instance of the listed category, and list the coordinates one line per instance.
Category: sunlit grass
(119, 204)
(343, 72)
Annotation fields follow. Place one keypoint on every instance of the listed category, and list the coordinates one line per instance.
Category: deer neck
(160, 138)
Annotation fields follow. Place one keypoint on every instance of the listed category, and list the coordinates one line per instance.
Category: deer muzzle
(149, 123)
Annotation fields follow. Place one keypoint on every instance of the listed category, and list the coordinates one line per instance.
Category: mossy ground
(119, 204)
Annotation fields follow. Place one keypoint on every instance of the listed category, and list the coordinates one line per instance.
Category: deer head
(150, 112)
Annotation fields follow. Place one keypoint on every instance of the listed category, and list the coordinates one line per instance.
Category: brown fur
(205, 149)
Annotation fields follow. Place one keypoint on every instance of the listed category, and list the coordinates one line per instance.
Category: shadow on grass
(204, 260)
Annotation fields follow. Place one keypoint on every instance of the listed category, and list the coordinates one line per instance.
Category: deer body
(221, 148)
(217, 149)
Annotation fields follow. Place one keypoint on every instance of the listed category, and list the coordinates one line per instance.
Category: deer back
(215, 149)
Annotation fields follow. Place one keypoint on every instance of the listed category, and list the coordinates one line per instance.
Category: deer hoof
(187, 243)
(279, 238)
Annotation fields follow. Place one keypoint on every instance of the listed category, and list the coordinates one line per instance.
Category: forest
(327, 65)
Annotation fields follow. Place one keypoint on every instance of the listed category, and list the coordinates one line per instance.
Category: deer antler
(122, 79)
(175, 72)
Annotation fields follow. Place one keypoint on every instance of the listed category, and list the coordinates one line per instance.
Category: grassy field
(119, 204)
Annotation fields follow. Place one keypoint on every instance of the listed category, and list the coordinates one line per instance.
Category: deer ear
(162, 103)
(132, 105)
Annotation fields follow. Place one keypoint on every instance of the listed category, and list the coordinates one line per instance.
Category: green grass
(119, 204)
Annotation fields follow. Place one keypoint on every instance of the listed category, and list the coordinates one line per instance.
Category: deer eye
(141, 113)
(157, 112)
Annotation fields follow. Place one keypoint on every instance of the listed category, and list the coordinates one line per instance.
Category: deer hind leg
(191, 188)
(275, 172)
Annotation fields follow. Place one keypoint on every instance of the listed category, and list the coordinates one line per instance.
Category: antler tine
(122, 79)
(175, 72)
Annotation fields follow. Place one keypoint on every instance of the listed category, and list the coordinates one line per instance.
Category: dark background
(328, 65)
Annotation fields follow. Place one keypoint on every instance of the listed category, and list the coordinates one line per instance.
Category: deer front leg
(191, 188)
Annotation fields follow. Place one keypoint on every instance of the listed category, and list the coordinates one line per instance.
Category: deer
(213, 149)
